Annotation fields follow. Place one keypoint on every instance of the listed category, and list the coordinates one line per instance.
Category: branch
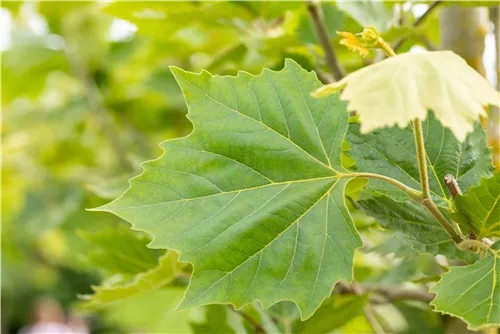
(388, 293)
(318, 21)
(452, 185)
(393, 294)
(417, 22)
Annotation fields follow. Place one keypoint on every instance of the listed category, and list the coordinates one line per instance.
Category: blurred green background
(87, 95)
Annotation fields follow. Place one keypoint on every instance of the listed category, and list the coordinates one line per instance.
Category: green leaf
(218, 319)
(165, 272)
(417, 268)
(120, 251)
(402, 88)
(419, 318)
(472, 293)
(479, 208)
(420, 227)
(334, 313)
(151, 312)
(368, 13)
(252, 197)
(392, 152)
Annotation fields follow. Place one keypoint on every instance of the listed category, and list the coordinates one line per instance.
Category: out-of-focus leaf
(111, 187)
(374, 13)
(413, 269)
(472, 293)
(479, 209)
(333, 313)
(158, 277)
(392, 152)
(218, 319)
(12, 6)
(48, 208)
(397, 244)
(420, 319)
(26, 67)
(286, 313)
(151, 312)
(120, 251)
(269, 9)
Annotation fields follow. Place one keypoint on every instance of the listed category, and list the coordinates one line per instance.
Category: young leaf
(167, 270)
(252, 197)
(120, 251)
(472, 293)
(400, 89)
(479, 209)
(392, 152)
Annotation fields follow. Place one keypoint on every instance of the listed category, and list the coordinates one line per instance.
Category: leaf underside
(472, 293)
(165, 272)
(410, 84)
(252, 196)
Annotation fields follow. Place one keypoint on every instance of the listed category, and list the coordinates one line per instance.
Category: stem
(424, 181)
(422, 166)
(422, 162)
(318, 21)
(445, 224)
(370, 316)
(386, 47)
(417, 22)
(412, 193)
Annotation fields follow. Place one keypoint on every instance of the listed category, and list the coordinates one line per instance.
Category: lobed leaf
(165, 272)
(252, 197)
(120, 251)
(479, 209)
(402, 88)
(472, 293)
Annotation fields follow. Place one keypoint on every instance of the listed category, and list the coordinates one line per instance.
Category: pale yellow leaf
(402, 88)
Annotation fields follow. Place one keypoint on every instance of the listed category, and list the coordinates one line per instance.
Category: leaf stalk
(421, 157)
(422, 165)
(414, 194)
